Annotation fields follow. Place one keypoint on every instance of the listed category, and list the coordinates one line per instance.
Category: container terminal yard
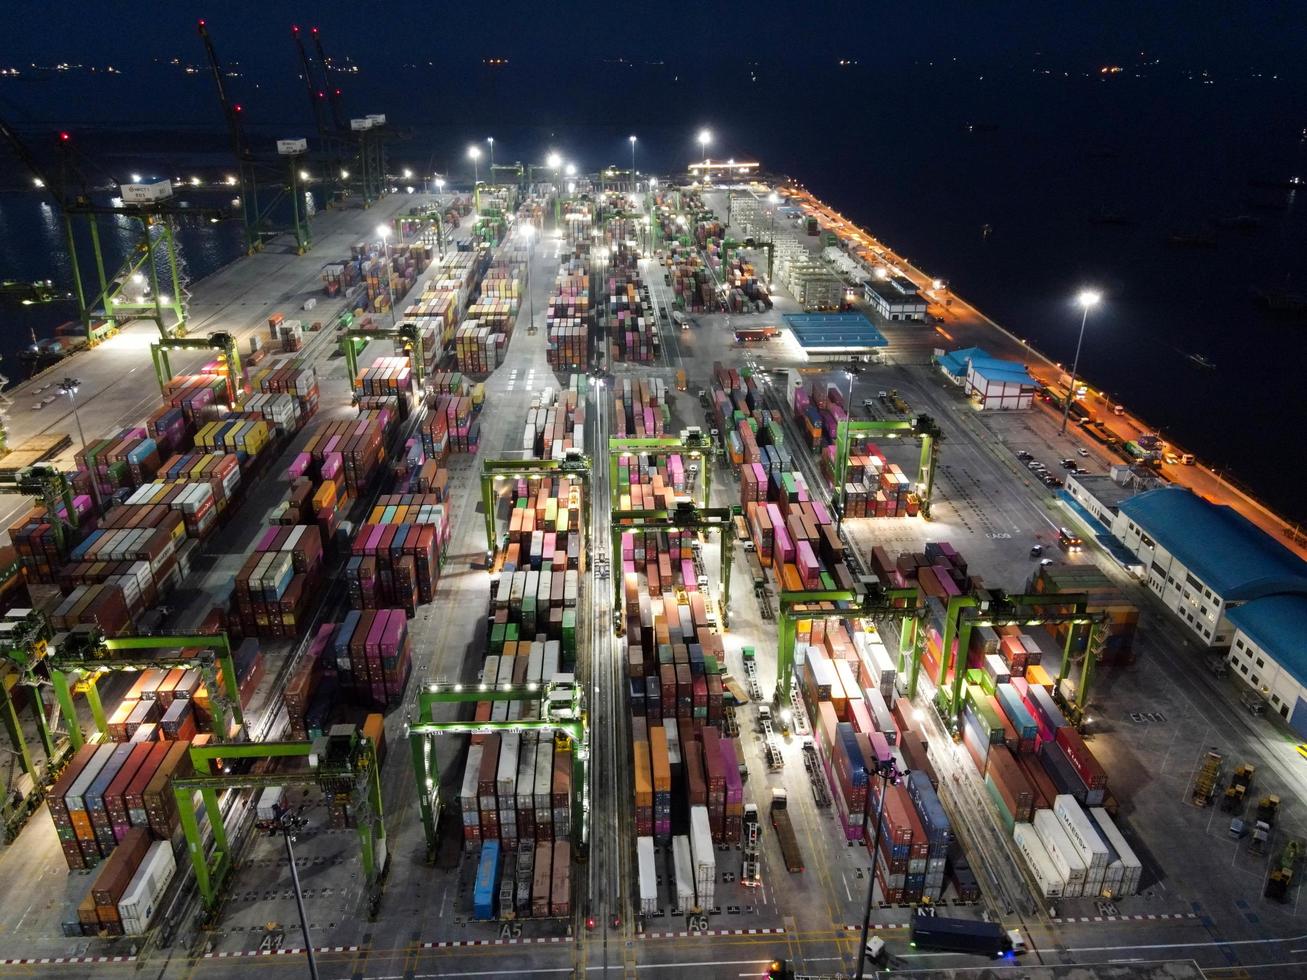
(603, 574)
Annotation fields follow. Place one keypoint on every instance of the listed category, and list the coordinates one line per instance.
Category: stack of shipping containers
(1046, 786)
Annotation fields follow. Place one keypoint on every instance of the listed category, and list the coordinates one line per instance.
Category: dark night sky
(1267, 32)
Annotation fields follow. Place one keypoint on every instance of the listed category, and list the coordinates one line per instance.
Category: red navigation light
(294, 28)
(201, 21)
(338, 91)
(322, 95)
(65, 137)
(590, 923)
(238, 107)
(313, 29)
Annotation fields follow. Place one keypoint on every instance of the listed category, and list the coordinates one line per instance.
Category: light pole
(289, 824)
(529, 232)
(474, 153)
(632, 139)
(774, 200)
(491, 141)
(889, 775)
(1087, 298)
(705, 137)
(555, 163)
(70, 386)
(440, 217)
(384, 232)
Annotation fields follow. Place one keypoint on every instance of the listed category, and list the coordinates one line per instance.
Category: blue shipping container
(483, 891)
(1010, 701)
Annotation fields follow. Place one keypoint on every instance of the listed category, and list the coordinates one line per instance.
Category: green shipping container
(1009, 822)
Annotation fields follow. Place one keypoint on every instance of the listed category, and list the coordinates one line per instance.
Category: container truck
(703, 859)
(940, 932)
(483, 891)
(644, 848)
(780, 821)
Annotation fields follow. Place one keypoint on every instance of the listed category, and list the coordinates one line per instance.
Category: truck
(644, 847)
(780, 821)
(932, 931)
(751, 844)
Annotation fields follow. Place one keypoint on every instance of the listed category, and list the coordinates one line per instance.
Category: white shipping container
(1130, 864)
(1080, 829)
(644, 852)
(704, 856)
(269, 802)
(684, 871)
(140, 900)
(1064, 853)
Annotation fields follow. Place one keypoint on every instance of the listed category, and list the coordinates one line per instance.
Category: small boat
(1281, 300)
(1191, 239)
(1289, 184)
(1243, 222)
(1202, 362)
(1109, 217)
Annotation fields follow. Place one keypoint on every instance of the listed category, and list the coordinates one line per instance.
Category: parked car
(1083, 452)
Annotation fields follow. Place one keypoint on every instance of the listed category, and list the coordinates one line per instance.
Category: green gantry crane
(575, 464)
(220, 340)
(876, 603)
(965, 612)
(84, 654)
(47, 482)
(24, 644)
(692, 442)
(685, 517)
(562, 712)
(353, 342)
(153, 222)
(343, 763)
(923, 427)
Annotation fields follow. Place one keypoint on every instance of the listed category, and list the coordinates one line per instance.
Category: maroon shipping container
(1011, 783)
(117, 872)
(1041, 785)
(1081, 758)
(58, 809)
(560, 886)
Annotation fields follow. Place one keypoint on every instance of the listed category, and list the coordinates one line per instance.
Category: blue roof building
(1231, 583)
(991, 382)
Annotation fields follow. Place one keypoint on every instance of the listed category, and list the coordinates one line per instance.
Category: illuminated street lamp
(705, 137)
(632, 139)
(491, 141)
(384, 231)
(529, 233)
(474, 152)
(1088, 299)
(889, 775)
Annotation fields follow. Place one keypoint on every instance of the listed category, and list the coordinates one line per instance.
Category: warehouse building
(1206, 561)
(895, 298)
(1268, 653)
(991, 382)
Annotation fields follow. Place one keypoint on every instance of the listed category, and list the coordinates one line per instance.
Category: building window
(1203, 609)
(1238, 643)
(1284, 711)
(1275, 699)
(1253, 679)
(1261, 662)
(1207, 634)
(1243, 669)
